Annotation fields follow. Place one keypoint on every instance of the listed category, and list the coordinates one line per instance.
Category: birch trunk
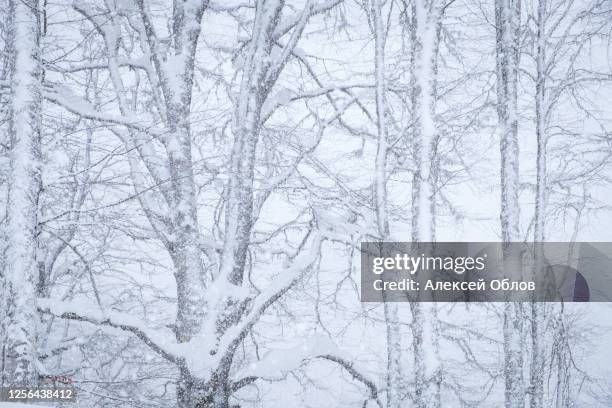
(177, 85)
(253, 92)
(247, 123)
(21, 274)
(562, 353)
(394, 351)
(537, 364)
(507, 19)
(426, 19)
(381, 112)
(184, 249)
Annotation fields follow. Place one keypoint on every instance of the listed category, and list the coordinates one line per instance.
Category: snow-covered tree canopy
(185, 186)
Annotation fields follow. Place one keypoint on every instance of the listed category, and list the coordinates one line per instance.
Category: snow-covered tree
(19, 318)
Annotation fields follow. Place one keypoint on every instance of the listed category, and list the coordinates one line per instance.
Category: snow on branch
(229, 5)
(294, 20)
(357, 375)
(275, 291)
(279, 63)
(278, 363)
(100, 64)
(75, 104)
(158, 341)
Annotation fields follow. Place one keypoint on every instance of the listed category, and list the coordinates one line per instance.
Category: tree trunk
(426, 19)
(536, 372)
(21, 274)
(394, 352)
(255, 86)
(507, 18)
(507, 21)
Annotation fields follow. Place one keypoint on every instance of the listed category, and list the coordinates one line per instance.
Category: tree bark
(394, 352)
(424, 30)
(507, 21)
(21, 273)
(536, 372)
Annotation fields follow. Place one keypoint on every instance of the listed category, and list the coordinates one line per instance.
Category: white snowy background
(185, 186)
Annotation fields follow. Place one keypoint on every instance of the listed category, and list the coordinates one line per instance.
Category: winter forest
(185, 186)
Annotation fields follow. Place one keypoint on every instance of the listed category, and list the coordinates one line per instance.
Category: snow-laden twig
(155, 339)
(79, 106)
(349, 366)
(282, 285)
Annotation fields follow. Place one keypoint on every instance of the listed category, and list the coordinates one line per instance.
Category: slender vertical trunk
(513, 354)
(536, 370)
(21, 273)
(537, 310)
(239, 210)
(185, 251)
(507, 18)
(381, 152)
(394, 351)
(507, 21)
(246, 129)
(394, 355)
(562, 355)
(426, 345)
(424, 30)
(189, 272)
(253, 92)
(540, 98)
(426, 19)
(186, 254)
